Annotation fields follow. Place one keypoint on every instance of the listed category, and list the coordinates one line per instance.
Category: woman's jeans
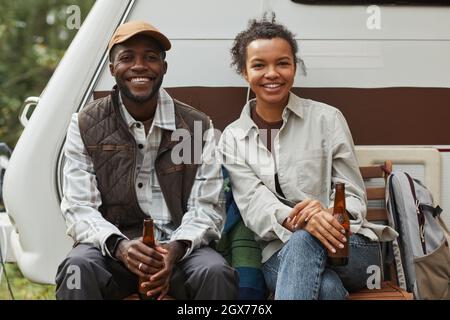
(299, 271)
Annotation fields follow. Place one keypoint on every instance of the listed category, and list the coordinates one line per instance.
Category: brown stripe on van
(376, 116)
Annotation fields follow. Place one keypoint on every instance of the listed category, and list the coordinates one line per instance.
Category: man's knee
(69, 277)
(225, 277)
(219, 270)
(81, 259)
(78, 274)
(71, 270)
(217, 280)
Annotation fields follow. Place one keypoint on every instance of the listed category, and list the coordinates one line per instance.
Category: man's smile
(140, 80)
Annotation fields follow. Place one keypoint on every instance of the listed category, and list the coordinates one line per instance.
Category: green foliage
(22, 288)
(33, 38)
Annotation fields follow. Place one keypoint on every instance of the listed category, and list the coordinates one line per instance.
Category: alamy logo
(74, 278)
(74, 18)
(374, 280)
(374, 20)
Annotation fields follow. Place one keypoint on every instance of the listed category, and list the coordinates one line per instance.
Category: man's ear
(111, 68)
(165, 66)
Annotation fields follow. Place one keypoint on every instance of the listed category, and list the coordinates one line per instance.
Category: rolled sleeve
(81, 198)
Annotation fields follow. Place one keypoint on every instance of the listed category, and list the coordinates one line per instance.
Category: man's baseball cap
(132, 28)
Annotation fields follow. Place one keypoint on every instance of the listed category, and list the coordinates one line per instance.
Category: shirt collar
(296, 105)
(164, 114)
(246, 123)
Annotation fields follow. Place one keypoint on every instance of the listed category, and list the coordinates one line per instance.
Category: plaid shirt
(202, 222)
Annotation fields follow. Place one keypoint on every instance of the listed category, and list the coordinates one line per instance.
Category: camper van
(385, 66)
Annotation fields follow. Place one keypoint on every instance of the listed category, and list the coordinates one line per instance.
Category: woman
(285, 149)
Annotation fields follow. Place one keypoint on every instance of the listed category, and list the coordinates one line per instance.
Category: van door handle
(29, 102)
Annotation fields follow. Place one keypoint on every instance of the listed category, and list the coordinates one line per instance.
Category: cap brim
(157, 36)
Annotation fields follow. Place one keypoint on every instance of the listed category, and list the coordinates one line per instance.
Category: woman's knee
(303, 241)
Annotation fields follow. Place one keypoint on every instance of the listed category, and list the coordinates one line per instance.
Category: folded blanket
(240, 249)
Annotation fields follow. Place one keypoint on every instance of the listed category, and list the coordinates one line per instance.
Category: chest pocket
(310, 166)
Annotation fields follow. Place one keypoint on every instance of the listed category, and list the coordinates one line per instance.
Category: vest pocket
(108, 147)
(172, 169)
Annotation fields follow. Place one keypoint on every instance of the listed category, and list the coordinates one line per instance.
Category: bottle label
(339, 217)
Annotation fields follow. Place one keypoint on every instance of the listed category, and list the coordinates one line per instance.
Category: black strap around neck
(278, 187)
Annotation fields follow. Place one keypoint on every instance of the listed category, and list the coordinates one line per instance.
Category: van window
(371, 2)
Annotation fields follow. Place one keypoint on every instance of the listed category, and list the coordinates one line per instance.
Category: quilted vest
(113, 148)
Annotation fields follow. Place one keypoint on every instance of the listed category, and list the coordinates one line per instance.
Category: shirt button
(140, 146)
(138, 125)
(140, 185)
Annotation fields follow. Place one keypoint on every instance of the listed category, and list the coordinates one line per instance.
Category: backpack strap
(420, 215)
(434, 211)
(396, 251)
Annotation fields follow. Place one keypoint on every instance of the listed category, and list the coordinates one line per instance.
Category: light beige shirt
(313, 150)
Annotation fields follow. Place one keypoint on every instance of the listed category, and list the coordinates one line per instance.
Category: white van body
(411, 49)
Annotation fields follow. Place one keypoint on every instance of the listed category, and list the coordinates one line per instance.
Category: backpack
(421, 252)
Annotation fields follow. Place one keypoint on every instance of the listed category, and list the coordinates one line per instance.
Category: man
(122, 167)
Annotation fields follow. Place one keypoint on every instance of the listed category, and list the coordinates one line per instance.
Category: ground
(22, 288)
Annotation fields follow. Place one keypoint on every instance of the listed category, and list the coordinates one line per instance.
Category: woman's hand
(327, 230)
(301, 213)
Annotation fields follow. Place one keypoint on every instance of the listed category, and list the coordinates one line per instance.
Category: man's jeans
(300, 270)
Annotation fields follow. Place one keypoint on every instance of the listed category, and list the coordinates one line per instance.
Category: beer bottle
(149, 239)
(340, 258)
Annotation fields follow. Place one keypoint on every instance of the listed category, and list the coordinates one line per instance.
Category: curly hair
(266, 28)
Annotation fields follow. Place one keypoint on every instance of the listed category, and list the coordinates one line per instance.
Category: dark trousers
(86, 274)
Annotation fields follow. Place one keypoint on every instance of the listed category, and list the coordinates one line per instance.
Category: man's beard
(139, 99)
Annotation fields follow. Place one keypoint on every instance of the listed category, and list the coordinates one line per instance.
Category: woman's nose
(271, 73)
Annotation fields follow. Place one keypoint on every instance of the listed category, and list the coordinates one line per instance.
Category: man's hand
(140, 259)
(159, 282)
(301, 213)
